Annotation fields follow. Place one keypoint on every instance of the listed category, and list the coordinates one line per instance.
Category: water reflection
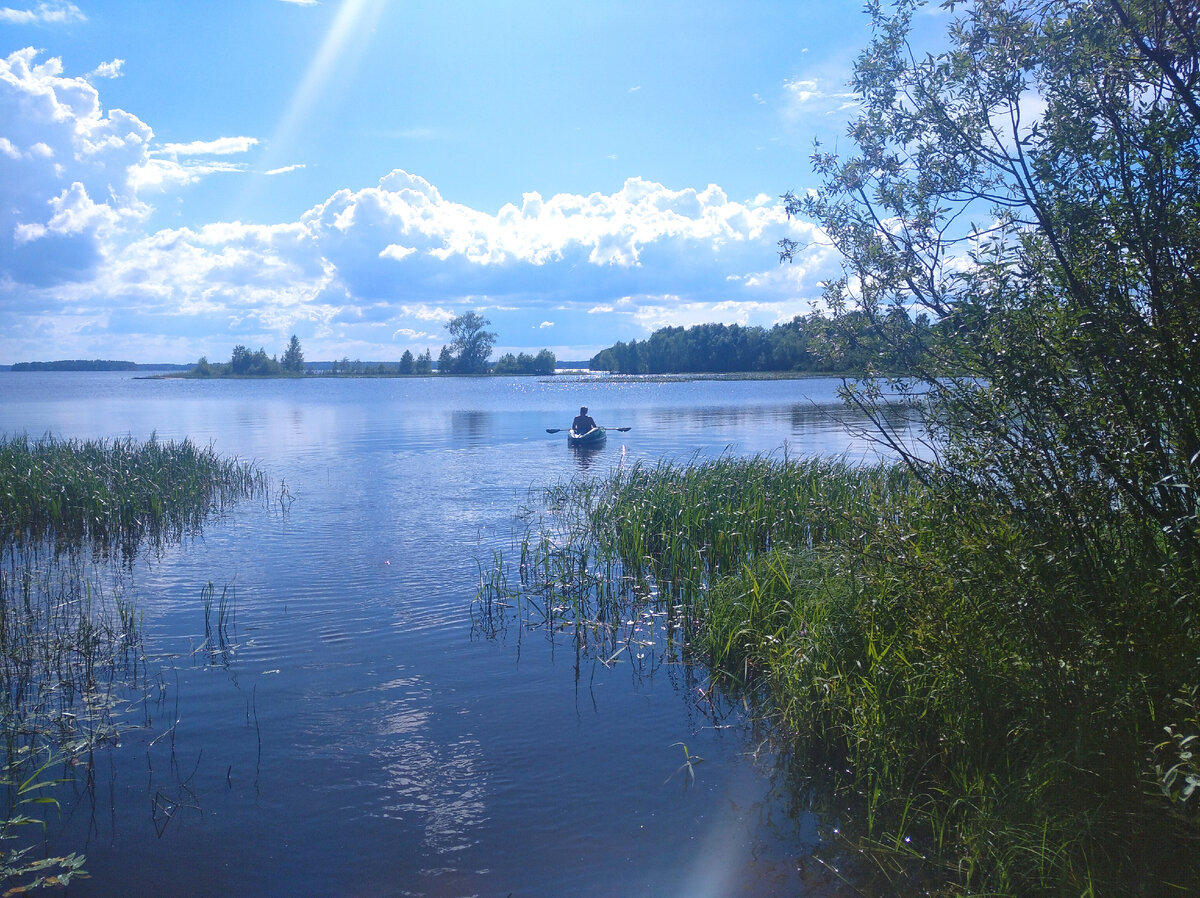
(473, 427)
(440, 784)
(587, 456)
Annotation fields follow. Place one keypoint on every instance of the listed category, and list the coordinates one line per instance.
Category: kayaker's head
(583, 410)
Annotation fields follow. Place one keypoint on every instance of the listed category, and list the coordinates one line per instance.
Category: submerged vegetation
(996, 726)
(73, 516)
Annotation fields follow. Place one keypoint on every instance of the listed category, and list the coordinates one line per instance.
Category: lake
(365, 736)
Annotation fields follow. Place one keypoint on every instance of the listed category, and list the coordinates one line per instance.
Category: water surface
(363, 737)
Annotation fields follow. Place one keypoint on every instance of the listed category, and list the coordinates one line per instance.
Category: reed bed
(73, 515)
(620, 563)
(1000, 719)
(686, 525)
(117, 494)
(996, 724)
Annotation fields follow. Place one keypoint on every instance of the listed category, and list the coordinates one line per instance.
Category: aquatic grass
(996, 723)
(66, 643)
(116, 494)
(947, 661)
(73, 516)
(25, 787)
(216, 628)
(619, 563)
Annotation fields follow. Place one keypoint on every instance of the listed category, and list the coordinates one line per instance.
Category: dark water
(363, 738)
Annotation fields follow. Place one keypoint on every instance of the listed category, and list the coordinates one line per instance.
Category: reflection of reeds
(72, 517)
(218, 617)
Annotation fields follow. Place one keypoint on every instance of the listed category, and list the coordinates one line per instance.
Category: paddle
(561, 429)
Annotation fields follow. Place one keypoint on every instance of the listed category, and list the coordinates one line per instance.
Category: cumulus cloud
(52, 13)
(111, 69)
(65, 171)
(384, 266)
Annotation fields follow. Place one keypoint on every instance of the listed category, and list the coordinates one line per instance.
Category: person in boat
(583, 421)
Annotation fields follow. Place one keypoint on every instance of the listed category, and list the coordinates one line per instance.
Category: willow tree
(470, 345)
(1031, 183)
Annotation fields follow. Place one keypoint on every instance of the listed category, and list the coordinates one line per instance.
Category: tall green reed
(996, 719)
(73, 516)
(997, 722)
(113, 495)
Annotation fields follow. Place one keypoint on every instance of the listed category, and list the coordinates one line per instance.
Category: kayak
(594, 437)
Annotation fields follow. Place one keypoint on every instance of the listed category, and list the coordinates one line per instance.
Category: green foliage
(995, 728)
(1032, 188)
(998, 722)
(1000, 658)
(406, 363)
(18, 872)
(524, 363)
(111, 494)
(470, 345)
(1178, 757)
(245, 363)
(70, 643)
(810, 343)
(293, 358)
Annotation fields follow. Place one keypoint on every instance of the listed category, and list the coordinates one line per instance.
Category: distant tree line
(467, 353)
(813, 343)
(409, 364)
(77, 365)
(524, 363)
(244, 363)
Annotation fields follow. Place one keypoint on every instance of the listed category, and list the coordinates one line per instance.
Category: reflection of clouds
(441, 782)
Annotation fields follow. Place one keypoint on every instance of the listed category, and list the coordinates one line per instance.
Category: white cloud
(800, 92)
(301, 2)
(73, 213)
(396, 251)
(52, 13)
(814, 96)
(222, 146)
(108, 69)
(412, 336)
(285, 169)
(66, 179)
(397, 258)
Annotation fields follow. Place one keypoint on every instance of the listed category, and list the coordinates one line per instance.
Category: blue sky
(180, 177)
